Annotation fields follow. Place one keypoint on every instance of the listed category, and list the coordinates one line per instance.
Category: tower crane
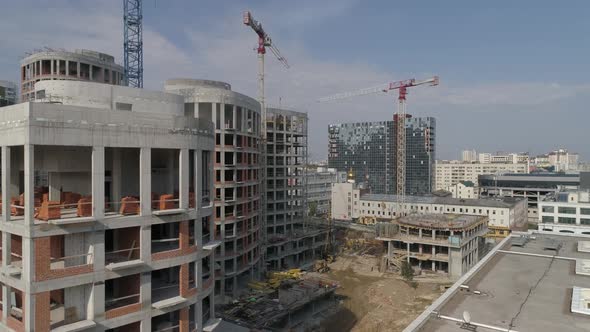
(400, 125)
(133, 43)
(264, 41)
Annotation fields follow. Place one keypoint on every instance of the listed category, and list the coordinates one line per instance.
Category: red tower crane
(264, 41)
(400, 122)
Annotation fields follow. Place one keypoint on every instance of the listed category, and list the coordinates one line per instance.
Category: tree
(313, 208)
(406, 271)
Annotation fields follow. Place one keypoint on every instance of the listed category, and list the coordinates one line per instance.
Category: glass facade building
(369, 150)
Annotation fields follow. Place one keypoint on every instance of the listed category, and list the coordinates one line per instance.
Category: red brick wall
(184, 321)
(173, 253)
(122, 311)
(16, 244)
(42, 260)
(42, 312)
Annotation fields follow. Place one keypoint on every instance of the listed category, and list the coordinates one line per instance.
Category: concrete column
(51, 66)
(40, 67)
(146, 324)
(90, 72)
(5, 301)
(433, 254)
(145, 181)
(145, 293)
(199, 315)
(434, 234)
(29, 184)
(98, 193)
(98, 250)
(58, 66)
(78, 68)
(420, 232)
(198, 178)
(5, 184)
(183, 179)
(96, 302)
(145, 248)
(29, 312)
(67, 68)
(6, 249)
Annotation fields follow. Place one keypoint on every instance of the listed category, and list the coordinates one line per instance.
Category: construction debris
(289, 300)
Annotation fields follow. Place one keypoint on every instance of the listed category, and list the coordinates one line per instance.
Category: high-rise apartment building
(369, 150)
(290, 241)
(80, 65)
(469, 155)
(8, 93)
(238, 176)
(106, 212)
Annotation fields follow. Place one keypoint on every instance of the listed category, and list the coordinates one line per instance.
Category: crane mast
(133, 43)
(399, 123)
(264, 42)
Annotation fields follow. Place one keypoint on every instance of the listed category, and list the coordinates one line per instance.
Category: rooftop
(521, 285)
(505, 202)
(441, 221)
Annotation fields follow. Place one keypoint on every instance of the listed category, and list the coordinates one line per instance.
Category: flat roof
(526, 288)
(441, 221)
(504, 202)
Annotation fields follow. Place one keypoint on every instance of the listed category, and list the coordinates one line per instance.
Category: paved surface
(524, 293)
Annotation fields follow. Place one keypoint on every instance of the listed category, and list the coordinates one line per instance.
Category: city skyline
(483, 87)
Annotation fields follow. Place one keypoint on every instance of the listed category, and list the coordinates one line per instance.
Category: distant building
(533, 187)
(441, 243)
(80, 65)
(509, 158)
(8, 93)
(449, 173)
(565, 212)
(528, 282)
(352, 203)
(560, 160)
(369, 150)
(463, 189)
(319, 188)
(469, 155)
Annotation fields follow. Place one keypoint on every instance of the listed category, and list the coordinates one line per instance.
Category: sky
(513, 73)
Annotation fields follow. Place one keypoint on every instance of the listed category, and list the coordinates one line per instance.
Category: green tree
(406, 271)
(313, 208)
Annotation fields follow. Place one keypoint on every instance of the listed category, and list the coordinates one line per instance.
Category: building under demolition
(449, 244)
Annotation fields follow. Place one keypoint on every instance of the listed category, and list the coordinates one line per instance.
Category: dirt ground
(375, 302)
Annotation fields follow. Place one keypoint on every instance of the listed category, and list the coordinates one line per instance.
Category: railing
(162, 245)
(121, 301)
(173, 328)
(71, 261)
(119, 256)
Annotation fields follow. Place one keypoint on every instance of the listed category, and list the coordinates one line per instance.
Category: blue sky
(513, 73)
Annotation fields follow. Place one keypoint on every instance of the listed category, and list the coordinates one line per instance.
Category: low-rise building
(529, 282)
(351, 203)
(463, 189)
(319, 188)
(448, 244)
(448, 173)
(532, 187)
(565, 212)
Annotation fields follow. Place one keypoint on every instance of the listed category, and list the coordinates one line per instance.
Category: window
(584, 221)
(566, 210)
(585, 211)
(123, 106)
(548, 219)
(549, 209)
(567, 220)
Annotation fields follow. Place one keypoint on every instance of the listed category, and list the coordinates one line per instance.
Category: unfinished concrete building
(238, 173)
(106, 212)
(80, 65)
(289, 241)
(450, 244)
